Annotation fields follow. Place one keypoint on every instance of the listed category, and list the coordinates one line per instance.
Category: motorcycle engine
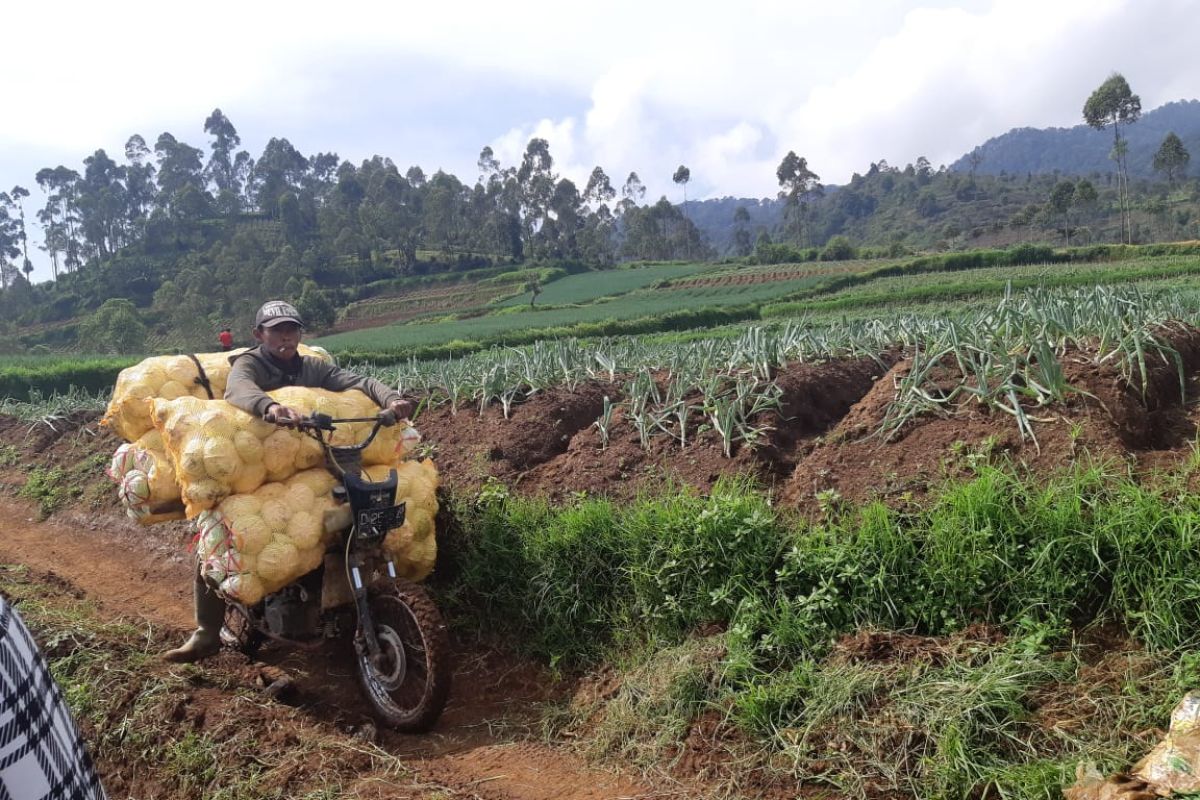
(293, 612)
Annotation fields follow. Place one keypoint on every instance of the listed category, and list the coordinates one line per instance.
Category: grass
(1039, 564)
(27, 378)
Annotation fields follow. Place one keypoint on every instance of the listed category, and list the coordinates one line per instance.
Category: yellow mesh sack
(169, 378)
(219, 450)
(256, 543)
(412, 546)
(145, 479)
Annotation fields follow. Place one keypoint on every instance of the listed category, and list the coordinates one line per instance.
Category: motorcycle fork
(365, 640)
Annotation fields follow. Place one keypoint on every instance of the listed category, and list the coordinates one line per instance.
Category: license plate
(376, 522)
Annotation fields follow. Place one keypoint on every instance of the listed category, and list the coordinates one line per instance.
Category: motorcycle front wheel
(408, 682)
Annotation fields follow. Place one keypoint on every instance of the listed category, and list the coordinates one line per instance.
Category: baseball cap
(274, 312)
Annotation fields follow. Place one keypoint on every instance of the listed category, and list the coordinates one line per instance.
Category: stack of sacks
(145, 478)
(219, 450)
(256, 543)
(166, 378)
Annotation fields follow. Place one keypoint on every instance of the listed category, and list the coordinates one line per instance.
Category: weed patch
(1034, 565)
(49, 488)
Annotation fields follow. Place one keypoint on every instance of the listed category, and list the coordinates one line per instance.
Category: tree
(798, 183)
(103, 206)
(279, 170)
(599, 189)
(974, 159)
(1172, 158)
(114, 328)
(180, 167)
(16, 195)
(314, 306)
(1115, 104)
(742, 245)
(681, 177)
(60, 216)
(9, 241)
(631, 193)
(221, 170)
(139, 184)
(1061, 203)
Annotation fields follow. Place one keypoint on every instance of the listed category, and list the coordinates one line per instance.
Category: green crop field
(588, 286)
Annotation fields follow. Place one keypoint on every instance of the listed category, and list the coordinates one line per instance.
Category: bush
(839, 248)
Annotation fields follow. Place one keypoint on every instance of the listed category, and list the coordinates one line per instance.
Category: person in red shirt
(226, 339)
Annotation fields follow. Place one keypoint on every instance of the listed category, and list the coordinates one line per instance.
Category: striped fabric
(42, 756)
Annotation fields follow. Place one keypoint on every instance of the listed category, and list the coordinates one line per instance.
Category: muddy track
(484, 746)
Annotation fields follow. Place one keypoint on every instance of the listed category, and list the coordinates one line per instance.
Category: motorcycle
(399, 637)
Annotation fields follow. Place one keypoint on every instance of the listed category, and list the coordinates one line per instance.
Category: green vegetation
(50, 488)
(590, 286)
(635, 583)
(29, 377)
(174, 242)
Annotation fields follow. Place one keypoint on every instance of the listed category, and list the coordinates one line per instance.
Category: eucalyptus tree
(60, 216)
(139, 185)
(1114, 104)
(15, 196)
(798, 183)
(222, 170)
(632, 193)
(279, 170)
(103, 205)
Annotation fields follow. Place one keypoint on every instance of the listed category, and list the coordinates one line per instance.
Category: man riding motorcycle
(273, 364)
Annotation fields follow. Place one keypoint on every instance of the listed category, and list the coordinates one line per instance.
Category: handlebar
(317, 424)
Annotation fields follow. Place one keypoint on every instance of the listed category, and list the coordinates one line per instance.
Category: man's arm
(242, 389)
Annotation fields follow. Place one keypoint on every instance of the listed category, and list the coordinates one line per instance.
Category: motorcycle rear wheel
(407, 685)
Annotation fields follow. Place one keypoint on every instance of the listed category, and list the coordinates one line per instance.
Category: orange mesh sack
(169, 378)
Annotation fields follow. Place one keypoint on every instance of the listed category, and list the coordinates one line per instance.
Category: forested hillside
(180, 241)
(165, 245)
(1081, 150)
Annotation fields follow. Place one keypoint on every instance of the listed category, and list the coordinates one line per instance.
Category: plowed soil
(825, 438)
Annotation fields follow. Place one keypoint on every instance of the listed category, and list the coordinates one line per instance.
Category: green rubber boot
(210, 616)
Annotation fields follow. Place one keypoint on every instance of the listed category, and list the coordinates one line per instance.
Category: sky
(724, 88)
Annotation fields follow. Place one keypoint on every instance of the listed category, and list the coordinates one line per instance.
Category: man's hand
(401, 408)
(280, 414)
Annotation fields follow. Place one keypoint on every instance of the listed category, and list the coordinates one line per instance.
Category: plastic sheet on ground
(1171, 768)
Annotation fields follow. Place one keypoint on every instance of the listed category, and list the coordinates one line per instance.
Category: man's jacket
(255, 372)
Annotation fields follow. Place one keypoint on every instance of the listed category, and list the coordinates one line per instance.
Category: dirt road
(482, 748)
